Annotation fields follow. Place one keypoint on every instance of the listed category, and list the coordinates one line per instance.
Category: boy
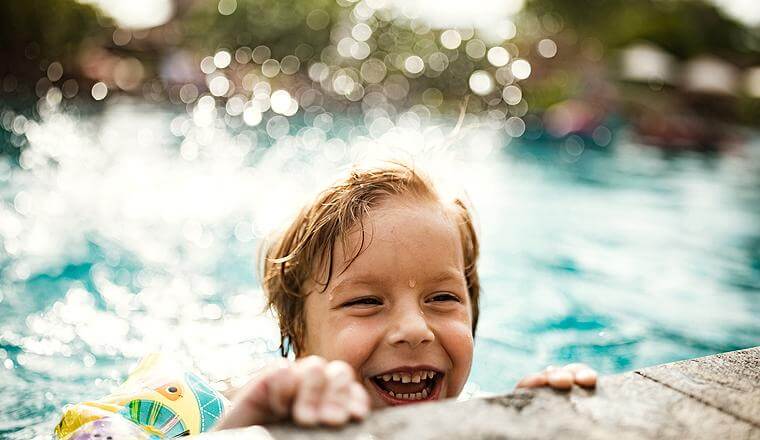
(376, 288)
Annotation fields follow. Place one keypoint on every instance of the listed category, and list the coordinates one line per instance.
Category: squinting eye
(365, 302)
(445, 297)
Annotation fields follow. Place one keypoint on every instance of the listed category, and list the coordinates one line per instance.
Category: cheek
(459, 343)
(456, 339)
(344, 339)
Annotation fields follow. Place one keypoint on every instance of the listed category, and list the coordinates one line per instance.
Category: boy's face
(401, 311)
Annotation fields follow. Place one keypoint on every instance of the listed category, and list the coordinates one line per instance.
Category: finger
(575, 367)
(560, 379)
(283, 384)
(533, 380)
(359, 401)
(586, 378)
(249, 408)
(311, 372)
(335, 399)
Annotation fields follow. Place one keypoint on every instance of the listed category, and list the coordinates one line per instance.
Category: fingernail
(585, 376)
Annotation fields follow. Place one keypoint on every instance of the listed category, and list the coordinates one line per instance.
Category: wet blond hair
(305, 249)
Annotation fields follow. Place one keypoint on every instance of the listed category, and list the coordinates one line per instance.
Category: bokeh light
(512, 95)
(99, 91)
(414, 64)
(227, 7)
(521, 68)
(137, 14)
(481, 82)
(498, 56)
(547, 48)
(147, 155)
(222, 59)
(450, 39)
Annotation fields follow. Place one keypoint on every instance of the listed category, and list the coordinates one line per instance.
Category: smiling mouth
(399, 388)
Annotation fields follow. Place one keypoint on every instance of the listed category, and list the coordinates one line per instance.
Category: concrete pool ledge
(711, 397)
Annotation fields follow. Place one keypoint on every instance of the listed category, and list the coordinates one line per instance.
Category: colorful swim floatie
(157, 401)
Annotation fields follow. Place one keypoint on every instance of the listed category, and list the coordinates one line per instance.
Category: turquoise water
(136, 230)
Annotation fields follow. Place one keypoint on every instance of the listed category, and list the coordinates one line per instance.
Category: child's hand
(310, 391)
(561, 378)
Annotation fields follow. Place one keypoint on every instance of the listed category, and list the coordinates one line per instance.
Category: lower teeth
(410, 396)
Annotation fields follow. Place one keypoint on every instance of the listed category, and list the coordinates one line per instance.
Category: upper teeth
(415, 377)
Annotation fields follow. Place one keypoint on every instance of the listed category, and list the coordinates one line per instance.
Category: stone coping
(714, 397)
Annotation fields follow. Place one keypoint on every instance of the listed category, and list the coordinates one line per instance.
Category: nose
(410, 327)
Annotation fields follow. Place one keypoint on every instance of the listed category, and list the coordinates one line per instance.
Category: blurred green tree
(44, 29)
(683, 28)
(279, 24)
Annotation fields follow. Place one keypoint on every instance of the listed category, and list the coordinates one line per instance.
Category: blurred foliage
(283, 27)
(34, 33)
(748, 110)
(683, 28)
(49, 29)
(559, 86)
(280, 24)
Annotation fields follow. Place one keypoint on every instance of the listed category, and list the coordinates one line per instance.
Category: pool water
(136, 230)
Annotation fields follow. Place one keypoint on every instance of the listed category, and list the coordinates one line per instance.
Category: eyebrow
(446, 276)
(363, 280)
(373, 280)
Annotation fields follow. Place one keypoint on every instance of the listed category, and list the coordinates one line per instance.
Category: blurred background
(148, 147)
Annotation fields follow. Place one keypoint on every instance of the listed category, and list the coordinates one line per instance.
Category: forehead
(402, 238)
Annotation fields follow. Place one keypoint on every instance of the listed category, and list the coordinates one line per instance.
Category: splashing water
(136, 230)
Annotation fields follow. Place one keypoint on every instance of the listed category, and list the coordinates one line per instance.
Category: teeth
(415, 377)
(410, 396)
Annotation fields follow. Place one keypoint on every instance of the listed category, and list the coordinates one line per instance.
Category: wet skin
(402, 305)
